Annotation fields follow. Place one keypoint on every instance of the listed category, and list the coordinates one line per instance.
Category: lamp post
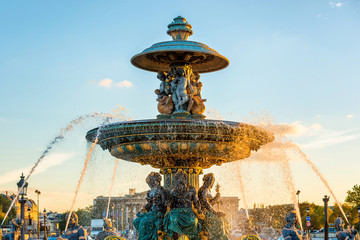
(307, 214)
(45, 232)
(326, 227)
(38, 212)
(348, 217)
(22, 188)
(29, 222)
(298, 196)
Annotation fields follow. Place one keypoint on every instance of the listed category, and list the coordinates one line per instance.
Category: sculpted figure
(181, 94)
(341, 234)
(161, 91)
(182, 218)
(149, 221)
(108, 230)
(290, 232)
(213, 223)
(74, 231)
(16, 225)
(165, 105)
(196, 104)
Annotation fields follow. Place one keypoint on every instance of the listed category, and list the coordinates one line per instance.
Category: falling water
(81, 178)
(242, 188)
(112, 184)
(318, 173)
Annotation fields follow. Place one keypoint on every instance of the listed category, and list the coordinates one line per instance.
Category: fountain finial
(179, 29)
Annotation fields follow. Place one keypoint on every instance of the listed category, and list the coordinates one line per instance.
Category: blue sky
(299, 61)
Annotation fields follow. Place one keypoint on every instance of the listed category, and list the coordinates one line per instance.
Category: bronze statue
(181, 95)
(149, 221)
(74, 231)
(341, 234)
(183, 218)
(16, 225)
(108, 230)
(213, 222)
(161, 91)
(290, 232)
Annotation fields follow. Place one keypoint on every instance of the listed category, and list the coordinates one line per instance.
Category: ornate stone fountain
(180, 139)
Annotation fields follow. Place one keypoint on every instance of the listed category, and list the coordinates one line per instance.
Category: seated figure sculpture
(342, 234)
(108, 230)
(149, 221)
(181, 96)
(213, 222)
(74, 231)
(182, 220)
(290, 232)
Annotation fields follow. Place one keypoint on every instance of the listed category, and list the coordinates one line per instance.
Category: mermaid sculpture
(290, 232)
(75, 231)
(149, 221)
(341, 234)
(213, 222)
(182, 220)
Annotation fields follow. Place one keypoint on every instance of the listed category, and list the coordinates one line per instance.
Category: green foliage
(85, 215)
(4, 206)
(353, 197)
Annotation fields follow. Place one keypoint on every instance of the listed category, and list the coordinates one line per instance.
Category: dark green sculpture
(182, 218)
(213, 222)
(75, 231)
(341, 234)
(149, 221)
(290, 232)
(108, 230)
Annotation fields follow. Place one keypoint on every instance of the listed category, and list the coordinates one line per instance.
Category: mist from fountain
(111, 187)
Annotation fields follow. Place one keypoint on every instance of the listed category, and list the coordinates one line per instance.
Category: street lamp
(298, 195)
(326, 227)
(45, 234)
(22, 188)
(29, 218)
(38, 212)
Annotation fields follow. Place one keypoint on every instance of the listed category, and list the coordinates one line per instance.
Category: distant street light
(45, 234)
(29, 218)
(326, 227)
(22, 188)
(38, 212)
(298, 196)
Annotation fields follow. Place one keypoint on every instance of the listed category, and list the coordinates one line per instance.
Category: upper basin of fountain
(179, 143)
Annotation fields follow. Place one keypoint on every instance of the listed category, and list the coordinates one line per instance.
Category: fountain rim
(139, 60)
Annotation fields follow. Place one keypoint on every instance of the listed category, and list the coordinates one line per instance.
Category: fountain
(180, 141)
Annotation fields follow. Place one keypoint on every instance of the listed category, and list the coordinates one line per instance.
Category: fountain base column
(169, 176)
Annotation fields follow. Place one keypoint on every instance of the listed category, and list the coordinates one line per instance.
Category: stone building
(123, 209)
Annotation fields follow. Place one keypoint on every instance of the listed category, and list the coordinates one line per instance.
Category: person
(213, 222)
(182, 218)
(149, 221)
(341, 234)
(290, 232)
(74, 231)
(108, 230)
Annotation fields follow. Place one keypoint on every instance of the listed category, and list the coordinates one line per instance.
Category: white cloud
(350, 116)
(107, 82)
(336, 4)
(48, 162)
(124, 84)
(333, 139)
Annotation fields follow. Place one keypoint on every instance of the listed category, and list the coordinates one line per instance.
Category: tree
(353, 197)
(4, 206)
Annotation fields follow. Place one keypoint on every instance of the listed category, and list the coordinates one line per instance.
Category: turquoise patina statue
(290, 232)
(149, 221)
(182, 220)
(341, 234)
(213, 223)
(75, 231)
(108, 230)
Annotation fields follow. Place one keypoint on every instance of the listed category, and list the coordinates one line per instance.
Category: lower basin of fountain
(177, 142)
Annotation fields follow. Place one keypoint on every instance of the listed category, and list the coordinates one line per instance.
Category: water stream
(111, 187)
